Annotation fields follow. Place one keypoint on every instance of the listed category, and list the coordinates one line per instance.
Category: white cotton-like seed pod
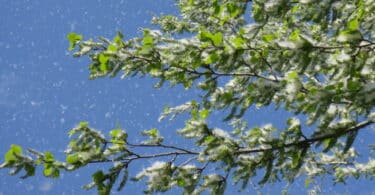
(292, 88)
(343, 57)
(332, 109)
(155, 33)
(157, 165)
(220, 133)
(305, 1)
(367, 70)
(271, 5)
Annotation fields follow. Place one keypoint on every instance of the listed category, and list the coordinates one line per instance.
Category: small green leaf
(209, 139)
(73, 158)
(73, 39)
(115, 132)
(292, 75)
(350, 140)
(103, 59)
(48, 157)
(353, 24)
(83, 124)
(268, 172)
(98, 177)
(238, 42)
(112, 48)
(329, 143)
(204, 35)
(148, 43)
(204, 113)
(55, 173)
(103, 67)
(30, 170)
(353, 85)
(233, 9)
(148, 40)
(117, 135)
(151, 132)
(269, 37)
(217, 39)
(295, 35)
(14, 151)
(212, 58)
(118, 38)
(181, 182)
(48, 169)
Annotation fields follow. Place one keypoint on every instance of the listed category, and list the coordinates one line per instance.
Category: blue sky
(44, 91)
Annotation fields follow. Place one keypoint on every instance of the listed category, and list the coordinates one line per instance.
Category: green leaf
(30, 170)
(73, 39)
(269, 37)
(118, 136)
(217, 39)
(204, 113)
(112, 48)
(353, 85)
(48, 157)
(98, 177)
(353, 24)
(55, 173)
(116, 133)
(123, 180)
(83, 124)
(268, 172)
(238, 42)
(329, 143)
(181, 182)
(204, 35)
(295, 35)
(233, 9)
(209, 139)
(73, 158)
(13, 152)
(212, 58)
(292, 75)
(148, 41)
(103, 59)
(350, 140)
(118, 38)
(152, 132)
(48, 169)
(103, 68)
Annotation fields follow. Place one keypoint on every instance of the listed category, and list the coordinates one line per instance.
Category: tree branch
(310, 141)
(163, 146)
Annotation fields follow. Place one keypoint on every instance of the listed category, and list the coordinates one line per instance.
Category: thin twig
(163, 146)
(308, 142)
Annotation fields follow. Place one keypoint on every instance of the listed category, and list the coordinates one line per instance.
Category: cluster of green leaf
(314, 58)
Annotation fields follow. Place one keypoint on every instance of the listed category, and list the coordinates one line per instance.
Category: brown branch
(307, 142)
(310, 141)
(128, 160)
(163, 146)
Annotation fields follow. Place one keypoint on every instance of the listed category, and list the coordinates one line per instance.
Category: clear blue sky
(44, 91)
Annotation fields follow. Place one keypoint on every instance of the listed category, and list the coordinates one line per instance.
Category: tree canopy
(312, 58)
